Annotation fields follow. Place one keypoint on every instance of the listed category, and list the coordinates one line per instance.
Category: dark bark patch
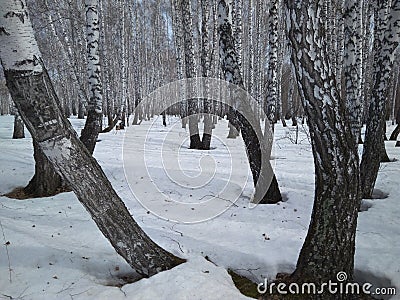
(19, 15)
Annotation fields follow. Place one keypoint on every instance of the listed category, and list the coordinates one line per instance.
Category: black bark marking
(3, 31)
(19, 15)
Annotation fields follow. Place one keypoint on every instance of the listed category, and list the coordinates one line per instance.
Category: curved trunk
(241, 116)
(330, 243)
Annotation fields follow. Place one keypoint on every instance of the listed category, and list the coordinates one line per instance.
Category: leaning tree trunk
(35, 99)
(272, 91)
(93, 122)
(237, 33)
(330, 243)
(386, 42)
(257, 152)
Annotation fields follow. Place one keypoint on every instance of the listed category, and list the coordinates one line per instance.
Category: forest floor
(51, 249)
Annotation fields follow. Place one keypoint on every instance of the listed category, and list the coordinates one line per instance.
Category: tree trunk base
(207, 134)
(273, 194)
(233, 132)
(384, 156)
(206, 144)
(294, 121)
(46, 182)
(195, 142)
(19, 132)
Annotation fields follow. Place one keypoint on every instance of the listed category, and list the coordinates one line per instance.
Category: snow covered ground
(51, 249)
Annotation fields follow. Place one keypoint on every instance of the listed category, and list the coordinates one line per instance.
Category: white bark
(93, 68)
(272, 86)
(353, 56)
(22, 53)
(123, 59)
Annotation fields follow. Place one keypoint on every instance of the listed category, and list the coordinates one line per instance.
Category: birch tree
(206, 72)
(190, 71)
(95, 106)
(256, 151)
(387, 33)
(179, 52)
(123, 100)
(330, 243)
(237, 30)
(272, 81)
(353, 66)
(39, 107)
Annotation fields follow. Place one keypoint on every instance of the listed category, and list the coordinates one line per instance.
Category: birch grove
(331, 67)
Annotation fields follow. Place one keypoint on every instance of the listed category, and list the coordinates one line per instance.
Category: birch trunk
(256, 152)
(93, 122)
(123, 103)
(330, 243)
(353, 63)
(386, 42)
(271, 99)
(180, 53)
(206, 72)
(190, 72)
